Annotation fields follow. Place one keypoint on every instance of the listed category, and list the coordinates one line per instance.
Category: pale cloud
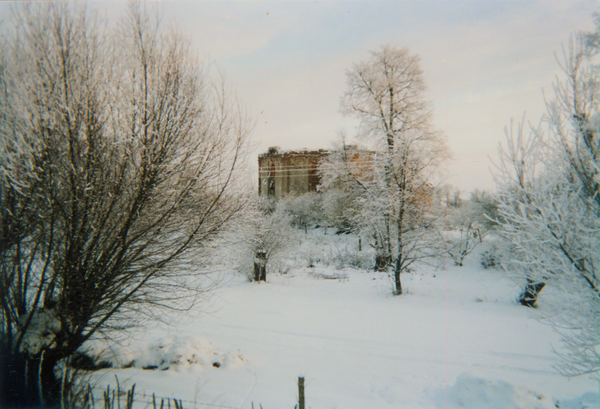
(484, 61)
(223, 29)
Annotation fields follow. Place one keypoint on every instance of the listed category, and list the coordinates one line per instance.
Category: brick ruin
(284, 172)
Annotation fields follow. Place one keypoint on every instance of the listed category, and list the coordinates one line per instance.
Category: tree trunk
(381, 261)
(388, 239)
(13, 383)
(263, 273)
(41, 380)
(530, 294)
(397, 272)
(29, 381)
(397, 282)
(260, 266)
(400, 260)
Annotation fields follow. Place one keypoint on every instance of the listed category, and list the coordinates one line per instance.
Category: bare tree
(549, 204)
(386, 93)
(537, 172)
(118, 159)
(520, 167)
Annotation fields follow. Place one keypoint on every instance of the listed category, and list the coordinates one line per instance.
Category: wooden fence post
(300, 392)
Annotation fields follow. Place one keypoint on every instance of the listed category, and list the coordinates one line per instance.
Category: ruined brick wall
(282, 173)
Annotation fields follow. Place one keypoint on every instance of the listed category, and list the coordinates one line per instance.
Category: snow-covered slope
(457, 339)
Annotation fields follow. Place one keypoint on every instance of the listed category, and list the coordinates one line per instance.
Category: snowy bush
(349, 257)
(461, 243)
(490, 258)
(470, 221)
(304, 210)
(338, 208)
(346, 255)
(485, 208)
(262, 234)
(323, 246)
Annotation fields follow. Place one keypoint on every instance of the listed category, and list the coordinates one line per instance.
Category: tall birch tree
(386, 94)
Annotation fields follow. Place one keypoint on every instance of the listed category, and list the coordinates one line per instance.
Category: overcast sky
(484, 62)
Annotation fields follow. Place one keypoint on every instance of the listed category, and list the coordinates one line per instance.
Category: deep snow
(456, 339)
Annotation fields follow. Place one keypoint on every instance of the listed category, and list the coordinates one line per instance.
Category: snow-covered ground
(456, 339)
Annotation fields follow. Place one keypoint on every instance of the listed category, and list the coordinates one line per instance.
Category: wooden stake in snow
(300, 392)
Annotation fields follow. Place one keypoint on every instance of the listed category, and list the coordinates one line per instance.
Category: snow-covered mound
(173, 351)
(471, 392)
(588, 400)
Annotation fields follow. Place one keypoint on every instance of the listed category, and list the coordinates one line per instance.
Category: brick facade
(284, 172)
